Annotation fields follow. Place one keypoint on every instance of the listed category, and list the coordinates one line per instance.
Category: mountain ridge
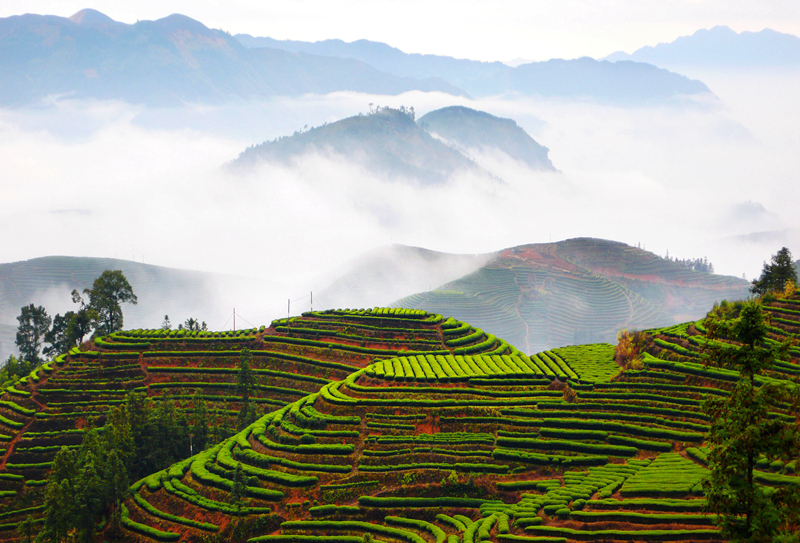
(583, 77)
(167, 62)
(468, 129)
(720, 47)
(178, 60)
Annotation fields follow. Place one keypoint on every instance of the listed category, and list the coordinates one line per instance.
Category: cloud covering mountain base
(93, 179)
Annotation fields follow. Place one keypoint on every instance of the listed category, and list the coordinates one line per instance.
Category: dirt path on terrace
(24, 429)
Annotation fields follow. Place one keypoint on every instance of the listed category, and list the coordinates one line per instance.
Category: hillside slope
(468, 129)
(463, 439)
(577, 291)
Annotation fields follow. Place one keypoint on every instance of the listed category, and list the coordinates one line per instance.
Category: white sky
(482, 30)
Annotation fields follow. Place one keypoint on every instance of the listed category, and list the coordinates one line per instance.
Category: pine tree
(59, 509)
(34, 323)
(776, 275)
(25, 529)
(117, 489)
(119, 434)
(245, 386)
(107, 293)
(200, 430)
(236, 496)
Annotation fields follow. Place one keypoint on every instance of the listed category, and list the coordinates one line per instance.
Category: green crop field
(401, 424)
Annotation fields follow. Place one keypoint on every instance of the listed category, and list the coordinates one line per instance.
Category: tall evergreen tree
(34, 323)
(245, 387)
(59, 502)
(777, 274)
(236, 496)
(200, 431)
(116, 488)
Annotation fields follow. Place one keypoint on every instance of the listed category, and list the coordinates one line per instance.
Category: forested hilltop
(388, 142)
(392, 423)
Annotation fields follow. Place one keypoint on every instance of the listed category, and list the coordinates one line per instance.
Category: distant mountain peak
(177, 21)
(90, 17)
(720, 47)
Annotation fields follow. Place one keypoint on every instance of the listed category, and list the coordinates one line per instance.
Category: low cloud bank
(107, 179)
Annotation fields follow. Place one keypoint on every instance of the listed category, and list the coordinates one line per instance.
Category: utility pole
(288, 310)
(234, 319)
(312, 300)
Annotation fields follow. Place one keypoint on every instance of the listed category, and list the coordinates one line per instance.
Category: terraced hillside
(291, 359)
(558, 447)
(576, 291)
(438, 433)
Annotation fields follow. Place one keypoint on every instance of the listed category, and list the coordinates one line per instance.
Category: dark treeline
(697, 264)
(87, 485)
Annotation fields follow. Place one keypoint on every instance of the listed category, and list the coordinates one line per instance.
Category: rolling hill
(582, 290)
(177, 60)
(292, 358)
(440, 433)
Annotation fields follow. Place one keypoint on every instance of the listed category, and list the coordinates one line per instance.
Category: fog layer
(112, 180)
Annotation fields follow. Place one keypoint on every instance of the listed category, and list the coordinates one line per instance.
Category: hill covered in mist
(582, 290)
(385, 274)
(179, 293)
(177, 60)
(387, 142)
(468, 129)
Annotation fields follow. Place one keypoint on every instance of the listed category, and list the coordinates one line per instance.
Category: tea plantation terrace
(405, 425)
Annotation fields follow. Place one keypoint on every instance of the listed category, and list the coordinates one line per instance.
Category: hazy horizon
(503, 32)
